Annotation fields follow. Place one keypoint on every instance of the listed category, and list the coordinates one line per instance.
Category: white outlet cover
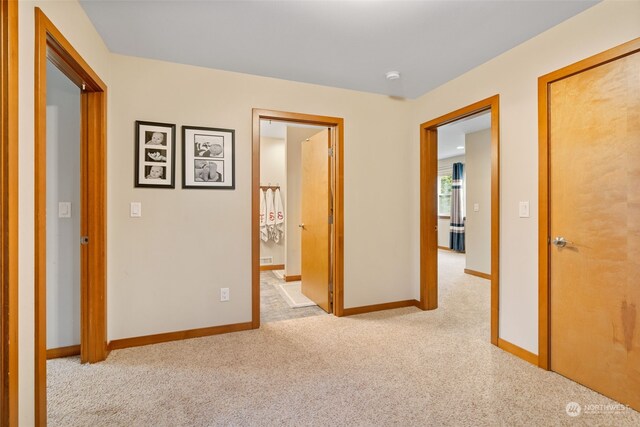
(524, 209)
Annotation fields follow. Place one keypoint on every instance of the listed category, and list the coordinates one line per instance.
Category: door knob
(301, 226)
(561, 242)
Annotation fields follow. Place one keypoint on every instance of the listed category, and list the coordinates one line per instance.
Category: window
(444, 195)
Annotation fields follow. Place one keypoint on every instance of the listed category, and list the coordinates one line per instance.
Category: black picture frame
(155, 155)
(208, 158)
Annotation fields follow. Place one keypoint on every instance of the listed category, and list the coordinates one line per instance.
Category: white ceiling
(346, 44)
(277, 129)
(452, 136)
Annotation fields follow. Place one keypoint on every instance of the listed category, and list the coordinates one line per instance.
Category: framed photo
(208, 156)
(155, 155)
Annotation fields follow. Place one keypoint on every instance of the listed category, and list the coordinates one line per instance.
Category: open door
(316, 227)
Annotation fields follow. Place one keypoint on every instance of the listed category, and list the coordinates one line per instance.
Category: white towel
(264, 235)
(279, 231)
(271, 213)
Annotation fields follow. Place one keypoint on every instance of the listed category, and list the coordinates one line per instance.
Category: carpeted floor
(400, 367)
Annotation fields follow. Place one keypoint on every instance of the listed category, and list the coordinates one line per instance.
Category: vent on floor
(268, 260)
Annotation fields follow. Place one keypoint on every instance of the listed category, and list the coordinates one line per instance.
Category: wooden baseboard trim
(272, 267)
(444, 248)
(292, 278)
(178, 335)
(56, 353)
(379, 307)
(518, 351)
(477, 273)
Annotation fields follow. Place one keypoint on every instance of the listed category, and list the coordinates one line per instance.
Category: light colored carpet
(400, 367)
(292, 293)
(279, 274)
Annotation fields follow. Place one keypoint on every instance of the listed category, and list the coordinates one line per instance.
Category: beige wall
(190, 243)
(273, 171)
(478, 191)
(295, 136)
(513, 75)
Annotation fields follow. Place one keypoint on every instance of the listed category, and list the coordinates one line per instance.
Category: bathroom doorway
(297, 212)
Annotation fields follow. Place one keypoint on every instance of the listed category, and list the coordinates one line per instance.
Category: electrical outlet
(224, 294)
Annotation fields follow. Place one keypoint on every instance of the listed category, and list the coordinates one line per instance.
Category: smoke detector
(392, 75)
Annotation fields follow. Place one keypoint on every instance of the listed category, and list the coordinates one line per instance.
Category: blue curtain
(456, 234)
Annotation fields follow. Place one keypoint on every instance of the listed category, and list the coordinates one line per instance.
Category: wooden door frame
(51, 45)
(9, 213)
(544, 282)
(338, 202)
(428, 207)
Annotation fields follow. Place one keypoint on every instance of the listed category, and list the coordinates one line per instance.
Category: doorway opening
(63, 215)
(308, 195)
(52, 49)
(286, 189)
(443, 184)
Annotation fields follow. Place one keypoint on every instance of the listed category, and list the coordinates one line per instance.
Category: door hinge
(84, 240)
(330, 219)
(330, 152)
(84, 87)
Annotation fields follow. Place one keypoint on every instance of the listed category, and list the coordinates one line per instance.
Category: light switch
(64, 209)
(524, 209)
(476, 207)
(136, 210)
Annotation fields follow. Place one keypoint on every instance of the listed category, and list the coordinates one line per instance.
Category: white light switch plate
(476, 207)
(136, 210)
(64, 209)
(524, 209)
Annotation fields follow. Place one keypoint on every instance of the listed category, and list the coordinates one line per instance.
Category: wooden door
(594, 157)
(315, 219)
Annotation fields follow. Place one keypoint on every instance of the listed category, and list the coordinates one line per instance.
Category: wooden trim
(9, 214)
(428, 214)
(379, 307)
(292, 278)
(477, 274)
(51, 45)
(518, 351)
(272, 267)
(445, 248)
(178, 335)
(56, 353)
(444, 216)
(544, 316)
(338, 203)
(428, 218)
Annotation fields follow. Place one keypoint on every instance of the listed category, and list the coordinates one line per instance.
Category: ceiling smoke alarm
(393, 75)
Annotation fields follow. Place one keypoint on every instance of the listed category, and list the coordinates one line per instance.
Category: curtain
(456, 234)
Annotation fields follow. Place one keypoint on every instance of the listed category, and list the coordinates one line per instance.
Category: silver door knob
(560, 242)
